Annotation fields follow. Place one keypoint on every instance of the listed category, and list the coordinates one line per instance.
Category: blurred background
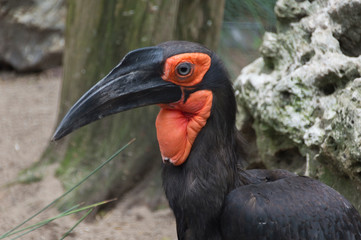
(50, 53)
(32, 33)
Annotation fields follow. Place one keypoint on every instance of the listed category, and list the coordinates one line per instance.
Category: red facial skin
(179, 123)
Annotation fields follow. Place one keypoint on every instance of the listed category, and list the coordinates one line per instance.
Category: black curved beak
(135, 82)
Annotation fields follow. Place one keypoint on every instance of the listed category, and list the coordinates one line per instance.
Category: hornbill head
(181, 77)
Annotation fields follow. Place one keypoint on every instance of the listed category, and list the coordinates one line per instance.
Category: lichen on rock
(306, 90)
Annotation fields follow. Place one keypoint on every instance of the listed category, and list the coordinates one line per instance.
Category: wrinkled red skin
(178, 124)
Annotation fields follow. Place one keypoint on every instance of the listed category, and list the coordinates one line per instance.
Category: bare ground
(28, 108)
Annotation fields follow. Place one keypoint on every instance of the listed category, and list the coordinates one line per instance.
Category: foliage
(244, 24)
(245, 10)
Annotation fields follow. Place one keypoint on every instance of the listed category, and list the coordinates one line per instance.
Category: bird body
(211, 195)
(293, 207)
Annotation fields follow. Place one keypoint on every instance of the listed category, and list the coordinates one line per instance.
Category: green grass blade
(89, 206)
(70, 190)
(41, 223)
(63, 214)
(76, 224)
(29, 231)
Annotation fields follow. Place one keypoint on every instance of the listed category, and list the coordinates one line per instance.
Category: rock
(302, 98)
(31, 34)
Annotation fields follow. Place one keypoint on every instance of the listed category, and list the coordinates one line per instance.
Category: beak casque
(135, 82)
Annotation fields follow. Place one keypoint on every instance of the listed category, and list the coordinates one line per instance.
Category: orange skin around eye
(178, 124)
(200, 61)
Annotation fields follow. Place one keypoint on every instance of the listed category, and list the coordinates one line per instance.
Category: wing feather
(289, 208)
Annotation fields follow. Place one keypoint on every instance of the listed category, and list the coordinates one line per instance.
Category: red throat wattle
(179, 123)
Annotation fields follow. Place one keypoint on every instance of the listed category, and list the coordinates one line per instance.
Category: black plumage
(213, 198)
(293, 207)
(211, 195)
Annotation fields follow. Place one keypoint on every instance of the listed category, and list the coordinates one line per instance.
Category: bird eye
(184, 69)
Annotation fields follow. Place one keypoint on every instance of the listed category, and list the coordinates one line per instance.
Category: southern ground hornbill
(211, 196)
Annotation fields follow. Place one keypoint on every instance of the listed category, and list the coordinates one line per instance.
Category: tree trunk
(200, 21)
(99, 33)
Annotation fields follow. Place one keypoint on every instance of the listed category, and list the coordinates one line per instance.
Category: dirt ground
(28, 108)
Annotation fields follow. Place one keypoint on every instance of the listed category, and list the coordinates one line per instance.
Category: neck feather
(197, 188)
